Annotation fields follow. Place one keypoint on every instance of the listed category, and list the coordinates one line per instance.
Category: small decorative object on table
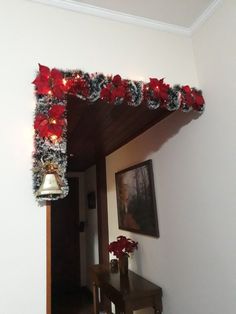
(122, 249)
(114, 265)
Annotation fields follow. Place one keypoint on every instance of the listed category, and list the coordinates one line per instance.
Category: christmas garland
(52, 88)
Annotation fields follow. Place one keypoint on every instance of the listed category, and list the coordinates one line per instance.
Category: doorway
(69, 296)
(93, 132)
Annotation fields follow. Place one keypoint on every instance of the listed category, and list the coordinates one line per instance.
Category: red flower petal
(199, 100)
(43, 88)
(164, 95)
(44, 71)
(56, 74)
(118, 92)
(112, 98)
(61, 122)
(38, 120)
(55, 129)
(105, 93)
(58, 91)
(56, 111)
(187, 89)
(116, 80)
(153, 82)
(44, 129)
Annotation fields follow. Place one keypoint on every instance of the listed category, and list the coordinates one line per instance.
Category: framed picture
(91, 200)
(136, 201)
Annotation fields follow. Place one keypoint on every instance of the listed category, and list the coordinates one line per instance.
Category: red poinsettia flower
(77, 86)
(114, 91)
(123, 246)
(117, 80)
(186, 96)
(49, 81)
(198, 100)
(117, 92)
(106, 92)
(51, 125)
(159, 88)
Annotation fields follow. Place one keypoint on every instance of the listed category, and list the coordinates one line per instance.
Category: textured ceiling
(178, 12)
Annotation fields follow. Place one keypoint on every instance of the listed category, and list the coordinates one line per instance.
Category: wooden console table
(127, 293)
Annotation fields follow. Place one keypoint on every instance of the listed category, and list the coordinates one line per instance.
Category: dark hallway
(69, 295)
(80, 302)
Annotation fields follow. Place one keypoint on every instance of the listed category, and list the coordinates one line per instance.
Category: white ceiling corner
(205, 15)
(182, 17)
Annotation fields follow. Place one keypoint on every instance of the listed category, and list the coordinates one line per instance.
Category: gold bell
(49, 185)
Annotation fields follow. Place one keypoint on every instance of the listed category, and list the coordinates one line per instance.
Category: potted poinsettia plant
(122, 248)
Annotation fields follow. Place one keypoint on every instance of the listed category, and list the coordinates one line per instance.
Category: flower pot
(123, 265)
(124, 284)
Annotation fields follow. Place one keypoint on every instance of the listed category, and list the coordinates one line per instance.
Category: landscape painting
(136, 201)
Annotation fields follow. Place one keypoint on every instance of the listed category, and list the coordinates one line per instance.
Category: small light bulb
(53, 138)
(64, 81)
(53, 121)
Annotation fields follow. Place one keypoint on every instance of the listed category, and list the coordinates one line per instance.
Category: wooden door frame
(102, 221)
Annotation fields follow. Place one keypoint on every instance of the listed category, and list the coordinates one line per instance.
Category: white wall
(194, 260)
(215, 52)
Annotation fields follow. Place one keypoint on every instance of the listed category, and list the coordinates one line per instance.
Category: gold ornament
(51, 183)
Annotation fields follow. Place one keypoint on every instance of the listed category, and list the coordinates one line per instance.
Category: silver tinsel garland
(47, 151)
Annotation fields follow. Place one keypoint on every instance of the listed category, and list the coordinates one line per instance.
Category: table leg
(95, 299)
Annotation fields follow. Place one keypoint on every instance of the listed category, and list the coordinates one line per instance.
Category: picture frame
(136, 200)
(91, 200)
